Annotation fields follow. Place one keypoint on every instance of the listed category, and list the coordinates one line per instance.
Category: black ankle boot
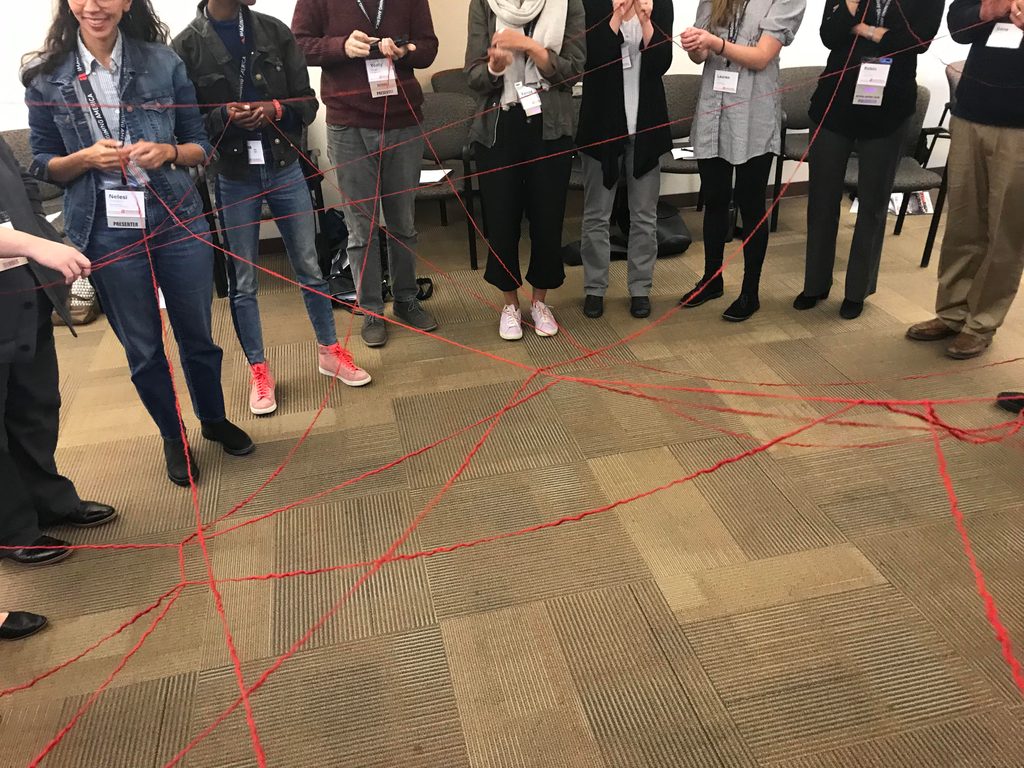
(703, 292)
(177, 469)
(232, 439)
(742, 309)
(805, 301)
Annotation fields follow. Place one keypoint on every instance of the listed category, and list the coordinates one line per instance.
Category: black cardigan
(912, 24)
(20, 289)
(603, 113)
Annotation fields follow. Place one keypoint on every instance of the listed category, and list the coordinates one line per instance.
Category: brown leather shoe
(967, 345)
(931, 330)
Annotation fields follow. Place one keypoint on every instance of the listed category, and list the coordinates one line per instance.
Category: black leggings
(750, 191)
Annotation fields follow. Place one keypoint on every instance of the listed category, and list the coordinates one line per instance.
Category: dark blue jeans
(184, 271)
(287, 194)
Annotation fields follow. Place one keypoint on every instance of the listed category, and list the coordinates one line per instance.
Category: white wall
(26, 22)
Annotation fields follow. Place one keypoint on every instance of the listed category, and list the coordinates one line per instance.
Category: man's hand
(511, 40)
(1017, 13)
(395, 52)
(993, 10)
(358, 45)
(60, 258)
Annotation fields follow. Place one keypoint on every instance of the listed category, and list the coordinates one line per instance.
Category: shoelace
(344, 357)
(262, 381)
(545, 314)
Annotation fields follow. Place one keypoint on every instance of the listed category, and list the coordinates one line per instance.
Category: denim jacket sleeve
(188, 127)
(45, 139)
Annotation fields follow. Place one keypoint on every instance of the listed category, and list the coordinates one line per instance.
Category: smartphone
(401, 42)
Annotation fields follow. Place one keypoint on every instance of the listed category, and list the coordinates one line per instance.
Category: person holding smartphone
(867, 111)
(252, 76)
(369, 51)
(35, 270)
(736, 131)
(114, 121)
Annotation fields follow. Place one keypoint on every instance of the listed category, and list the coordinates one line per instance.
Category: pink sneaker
(510, 327)
(337, 361)
(543, 321)
(261, 393)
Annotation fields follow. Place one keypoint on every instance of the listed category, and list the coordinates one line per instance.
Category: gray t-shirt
(633, 33)
(746, 124)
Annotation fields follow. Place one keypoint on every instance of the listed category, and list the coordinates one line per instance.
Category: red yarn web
(923, 424)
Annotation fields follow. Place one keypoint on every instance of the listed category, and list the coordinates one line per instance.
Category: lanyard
(881, 10)
(94, 105)
(244, 66)
(734, 25)
(380, 13)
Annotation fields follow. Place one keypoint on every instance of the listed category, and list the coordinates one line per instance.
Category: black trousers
(716, 183)
(876, 170)
(532, 186)
(33, 494)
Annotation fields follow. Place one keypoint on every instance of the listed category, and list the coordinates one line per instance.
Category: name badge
(1005, 35)
(256, 153)
(126, 209)
(870, 89)
(627, 61)
(10, 262)
(727, 81)
(382, 77)
(529, 99)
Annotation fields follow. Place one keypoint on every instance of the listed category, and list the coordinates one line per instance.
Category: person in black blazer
(35, 267)
(623, 132)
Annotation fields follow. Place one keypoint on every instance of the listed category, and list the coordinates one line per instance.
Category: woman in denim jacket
(113, 119)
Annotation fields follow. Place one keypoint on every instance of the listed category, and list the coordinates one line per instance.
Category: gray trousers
(595, 247)
(357, 154)
(877, 160)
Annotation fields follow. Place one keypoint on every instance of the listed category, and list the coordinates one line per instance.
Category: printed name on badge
(382, 77)
(871, 81)
(529, 99)
(126, 209)
(256, 153)
(727, 81)
(627, 61)
(1005, 35)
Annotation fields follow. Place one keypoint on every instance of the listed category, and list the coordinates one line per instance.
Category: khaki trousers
(983, 248)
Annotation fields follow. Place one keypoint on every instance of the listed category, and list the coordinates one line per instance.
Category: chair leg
(467, 194)
(933, 230)
(775, 197)
(903, 213)
(444, 212)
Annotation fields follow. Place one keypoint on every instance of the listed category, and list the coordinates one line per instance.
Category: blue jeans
(184, 271)
(287, 195)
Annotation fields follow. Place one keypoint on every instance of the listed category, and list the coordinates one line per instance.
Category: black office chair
(797, 85)
(953, 74)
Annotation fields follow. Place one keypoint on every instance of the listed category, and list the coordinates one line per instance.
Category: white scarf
(549, 31)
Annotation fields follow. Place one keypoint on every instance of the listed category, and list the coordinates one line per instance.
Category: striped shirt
(106, 84)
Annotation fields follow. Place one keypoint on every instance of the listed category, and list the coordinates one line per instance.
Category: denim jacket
(278, 71)
(153, 81)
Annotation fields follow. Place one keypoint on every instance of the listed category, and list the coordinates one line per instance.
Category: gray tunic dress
(746, 124)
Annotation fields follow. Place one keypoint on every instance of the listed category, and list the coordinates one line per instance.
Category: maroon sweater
(321, 28)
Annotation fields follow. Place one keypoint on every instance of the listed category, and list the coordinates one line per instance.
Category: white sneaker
(543, 321)
(510, 328)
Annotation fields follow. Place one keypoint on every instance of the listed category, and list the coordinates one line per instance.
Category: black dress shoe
(19, 625)
(593, 306)
(232, 439)
(851, 310)
(742, 309)
(702, 293)
(50, 550)
(804, 301)
(177, 468)
(640, 306)
(1011, 401)
(90, 514)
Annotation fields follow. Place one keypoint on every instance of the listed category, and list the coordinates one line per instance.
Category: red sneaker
(337, 361)
(261, 393)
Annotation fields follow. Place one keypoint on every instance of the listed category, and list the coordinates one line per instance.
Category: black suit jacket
(20, 291)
